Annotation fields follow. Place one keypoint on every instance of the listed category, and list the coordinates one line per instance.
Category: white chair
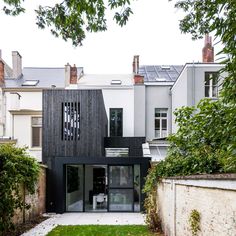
(100, 199)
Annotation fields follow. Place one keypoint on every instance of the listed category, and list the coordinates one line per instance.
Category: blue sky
(152, 32)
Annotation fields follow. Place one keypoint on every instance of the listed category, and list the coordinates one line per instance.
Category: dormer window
(211, 84)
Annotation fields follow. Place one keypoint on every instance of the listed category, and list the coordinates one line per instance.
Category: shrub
(16, 168)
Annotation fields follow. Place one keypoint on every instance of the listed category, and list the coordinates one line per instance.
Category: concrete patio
(86, 219)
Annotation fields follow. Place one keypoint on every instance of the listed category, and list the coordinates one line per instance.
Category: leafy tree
(17, 168)
(71, 19)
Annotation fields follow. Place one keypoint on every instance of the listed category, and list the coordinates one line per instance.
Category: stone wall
(37, 201)
(213, 196)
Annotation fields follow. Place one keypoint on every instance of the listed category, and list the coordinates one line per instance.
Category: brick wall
(37, 200)
(213, 196)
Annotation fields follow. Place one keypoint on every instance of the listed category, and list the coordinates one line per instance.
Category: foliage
(152, 219)
(194, 221)
(101, 230)
(16, 168)
(204, 143)
(71, 19)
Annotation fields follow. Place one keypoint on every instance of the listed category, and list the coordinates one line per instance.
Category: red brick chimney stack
(73, 75)
(1, 73)
(208, 50)
(136, 64)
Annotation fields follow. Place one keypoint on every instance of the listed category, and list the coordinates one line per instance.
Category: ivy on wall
(17, 169)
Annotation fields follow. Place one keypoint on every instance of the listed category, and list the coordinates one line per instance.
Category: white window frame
(40, 132)
(211, 85)
(161, 111)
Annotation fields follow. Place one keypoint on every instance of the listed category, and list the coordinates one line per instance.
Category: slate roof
(46, 77)
(160, 73)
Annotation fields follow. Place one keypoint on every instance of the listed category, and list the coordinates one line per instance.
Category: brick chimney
(138, 79)
(16, 64)
(73, 75)
(1, 73)
(136, 64)
(70, 74)
(208, 50)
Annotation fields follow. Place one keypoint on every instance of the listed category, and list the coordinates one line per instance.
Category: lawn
(101, 230)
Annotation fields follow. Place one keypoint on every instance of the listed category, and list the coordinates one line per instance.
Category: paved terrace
(86, 219)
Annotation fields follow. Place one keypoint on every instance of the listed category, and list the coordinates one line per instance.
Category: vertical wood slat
(88, 124)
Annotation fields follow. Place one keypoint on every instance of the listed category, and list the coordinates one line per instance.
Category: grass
(101, 230)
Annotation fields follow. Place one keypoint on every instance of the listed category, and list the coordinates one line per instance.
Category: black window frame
(118, 132)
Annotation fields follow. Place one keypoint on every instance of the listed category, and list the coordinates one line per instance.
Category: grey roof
(160, 73)
(46, 77)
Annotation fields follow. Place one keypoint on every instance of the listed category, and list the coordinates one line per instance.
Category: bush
(16, 168)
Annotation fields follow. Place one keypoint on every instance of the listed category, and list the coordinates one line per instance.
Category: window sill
(35, 149)
(212, 98)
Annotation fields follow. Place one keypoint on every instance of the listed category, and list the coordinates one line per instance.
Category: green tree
(17, 169)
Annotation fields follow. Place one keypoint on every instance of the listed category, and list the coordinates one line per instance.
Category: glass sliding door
(121, 193)
(74, 187)
(95, 189)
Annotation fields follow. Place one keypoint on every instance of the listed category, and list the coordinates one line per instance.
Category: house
(84, 164)
(21, 102)
(98, 133)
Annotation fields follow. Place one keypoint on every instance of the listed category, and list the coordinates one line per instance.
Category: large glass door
(95, 189)
(74, 187)
(121, 185)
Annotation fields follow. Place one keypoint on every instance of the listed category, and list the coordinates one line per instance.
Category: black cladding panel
(74, 123)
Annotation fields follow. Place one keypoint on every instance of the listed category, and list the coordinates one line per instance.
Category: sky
(152, 32)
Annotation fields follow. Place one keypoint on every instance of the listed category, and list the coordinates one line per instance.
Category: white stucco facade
(115, 96)
(189, 88)
(21, 106)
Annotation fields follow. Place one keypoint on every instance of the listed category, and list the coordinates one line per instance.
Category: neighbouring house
(21, 102)
(98, 133)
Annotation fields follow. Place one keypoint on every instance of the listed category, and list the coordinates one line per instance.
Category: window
(116, 122)
(160, 123)
(36, 131)
(117, 152)
(116, 82)
(211, 84)
(30, 82)
(70, 120)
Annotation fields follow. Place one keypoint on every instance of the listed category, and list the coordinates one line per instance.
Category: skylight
(116, 81)
(160, 79)
(30, 82)
(165, 67)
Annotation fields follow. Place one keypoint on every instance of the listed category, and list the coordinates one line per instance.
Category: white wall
(156, 97)
(179, 95)
(213, 197)
(121, 98)
(18, 126)
(139, 110)
(189, 88)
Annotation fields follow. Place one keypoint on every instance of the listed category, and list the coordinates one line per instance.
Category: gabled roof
(44, 77)
(160, 73)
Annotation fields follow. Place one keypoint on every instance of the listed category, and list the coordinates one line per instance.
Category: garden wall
(213, 196)
(37, 200)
